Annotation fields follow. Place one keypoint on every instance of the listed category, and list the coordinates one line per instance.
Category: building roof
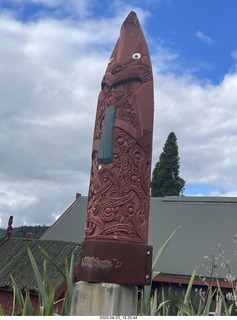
(205, 223)
(14, 260)
(70, 226)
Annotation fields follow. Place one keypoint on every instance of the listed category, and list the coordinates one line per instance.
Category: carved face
(130, 59)
(127, 83)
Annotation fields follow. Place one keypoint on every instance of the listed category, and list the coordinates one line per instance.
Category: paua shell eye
(111, 59)
(136, 55)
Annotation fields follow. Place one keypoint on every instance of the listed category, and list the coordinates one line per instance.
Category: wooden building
(14, 260)
(207, 225)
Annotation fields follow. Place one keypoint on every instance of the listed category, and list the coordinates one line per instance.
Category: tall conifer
(165, 176)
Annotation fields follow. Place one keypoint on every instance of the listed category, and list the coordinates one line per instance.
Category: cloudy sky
(53, 54)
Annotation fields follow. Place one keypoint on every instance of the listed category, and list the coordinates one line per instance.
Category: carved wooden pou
(119, 192)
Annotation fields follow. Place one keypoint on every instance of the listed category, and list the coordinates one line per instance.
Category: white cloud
(234, 54)
(121, 8)
(204, 37)
(51, 72)
(204, 120)
(50, 79)
(164, 60)
(80, 8)
(12, 198)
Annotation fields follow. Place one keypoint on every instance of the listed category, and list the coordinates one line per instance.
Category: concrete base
(103, 299)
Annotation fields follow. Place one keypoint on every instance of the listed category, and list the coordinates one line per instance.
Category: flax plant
(46, 293)
(149, 304)
(152, 305)
(1, 311)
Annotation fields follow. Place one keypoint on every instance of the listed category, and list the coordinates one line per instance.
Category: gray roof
(14, 260)
(205, 223)
(70, 226)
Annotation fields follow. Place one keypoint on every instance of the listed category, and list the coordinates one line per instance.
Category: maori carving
(9, 229)
(119, 191)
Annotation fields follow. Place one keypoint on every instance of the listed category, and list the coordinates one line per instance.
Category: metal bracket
(115, 262)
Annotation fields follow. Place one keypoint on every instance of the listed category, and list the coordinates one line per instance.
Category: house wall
(6, 300)
(176, 289)
(6, 296)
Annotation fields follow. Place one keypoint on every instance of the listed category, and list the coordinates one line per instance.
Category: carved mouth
(114, 81)
(143, 74)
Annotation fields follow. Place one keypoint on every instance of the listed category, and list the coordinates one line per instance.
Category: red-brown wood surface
(119, 191)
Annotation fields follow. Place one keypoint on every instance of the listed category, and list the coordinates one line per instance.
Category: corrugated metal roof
(205, 222)
(71, 224)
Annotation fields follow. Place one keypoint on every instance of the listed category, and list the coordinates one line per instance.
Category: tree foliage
(165, 176)
(20, 232)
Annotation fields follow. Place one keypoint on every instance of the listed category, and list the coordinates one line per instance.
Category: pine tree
(165, 176)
